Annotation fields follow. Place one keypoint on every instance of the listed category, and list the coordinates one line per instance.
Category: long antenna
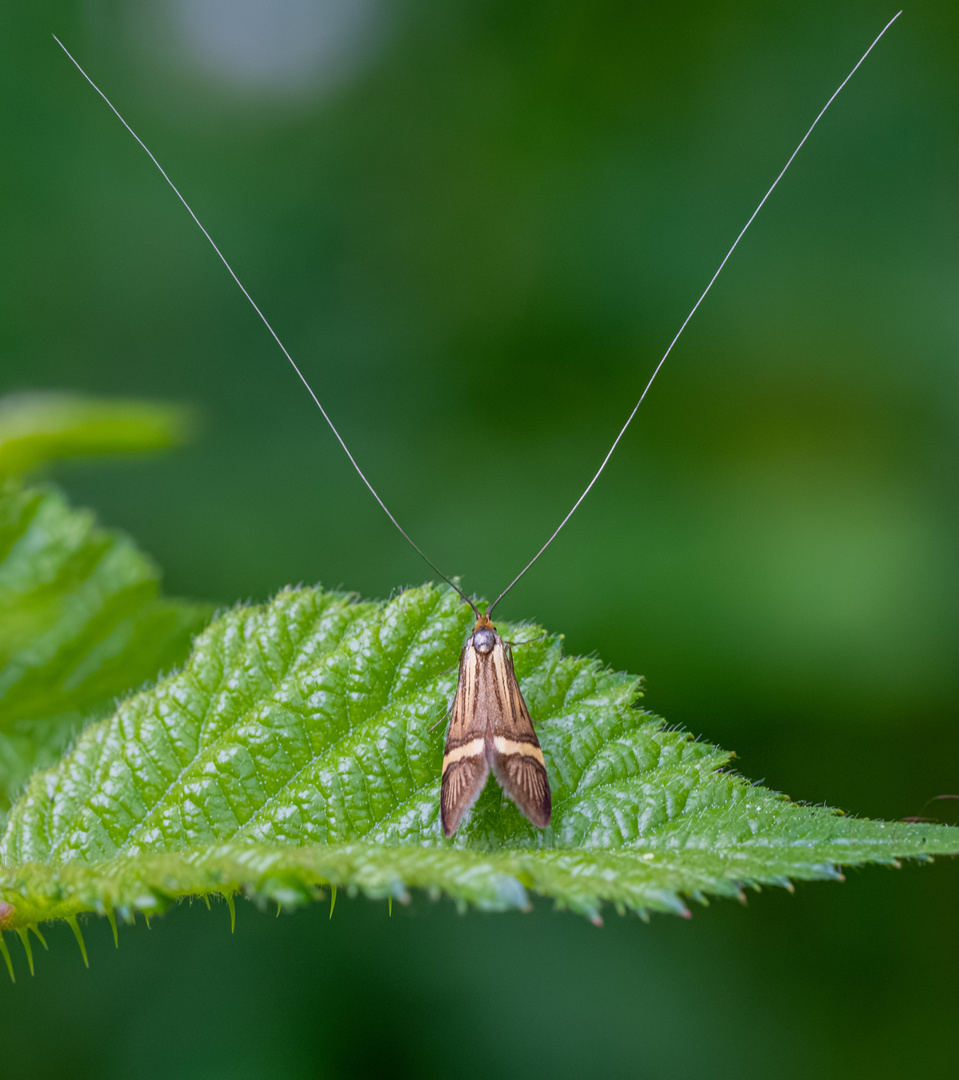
(339, 438)
(325, 415)
(692, 312)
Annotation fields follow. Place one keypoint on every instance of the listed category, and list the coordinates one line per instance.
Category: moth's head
(484, 635)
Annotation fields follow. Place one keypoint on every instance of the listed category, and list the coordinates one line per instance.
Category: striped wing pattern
(491, 728)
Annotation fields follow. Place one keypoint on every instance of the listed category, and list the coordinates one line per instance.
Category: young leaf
(36, 428)
(81, 623)
(301, 747)
(80, 619)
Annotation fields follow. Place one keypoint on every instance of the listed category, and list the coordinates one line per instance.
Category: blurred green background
(477, 226)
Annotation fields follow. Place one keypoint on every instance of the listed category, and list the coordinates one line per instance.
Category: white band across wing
(511, 746)
(471, 749)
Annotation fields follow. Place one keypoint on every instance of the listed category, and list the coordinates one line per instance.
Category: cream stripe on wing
(510, 746)
(470, 678)
(501, 671)
(470, 749)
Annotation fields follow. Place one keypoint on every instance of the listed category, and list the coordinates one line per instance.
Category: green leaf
(81, 623)
(301, 746)
(36, 428)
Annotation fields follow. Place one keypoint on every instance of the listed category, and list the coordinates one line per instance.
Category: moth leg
(528, 641)
(447, 715)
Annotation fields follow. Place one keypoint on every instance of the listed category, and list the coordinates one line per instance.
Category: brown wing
(511, 744)
(465, 767)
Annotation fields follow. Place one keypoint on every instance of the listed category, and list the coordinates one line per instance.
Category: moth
(491, 729)
(490, 726)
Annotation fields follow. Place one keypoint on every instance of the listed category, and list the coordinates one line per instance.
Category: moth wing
(513, 749)
(463, 781)
(465, 767)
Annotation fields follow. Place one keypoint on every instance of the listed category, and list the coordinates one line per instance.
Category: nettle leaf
(81, 624)
(301, 745)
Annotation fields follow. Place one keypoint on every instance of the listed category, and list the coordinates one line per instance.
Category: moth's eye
(483, 641)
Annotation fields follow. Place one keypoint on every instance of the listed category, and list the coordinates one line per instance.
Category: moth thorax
(484, 641)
